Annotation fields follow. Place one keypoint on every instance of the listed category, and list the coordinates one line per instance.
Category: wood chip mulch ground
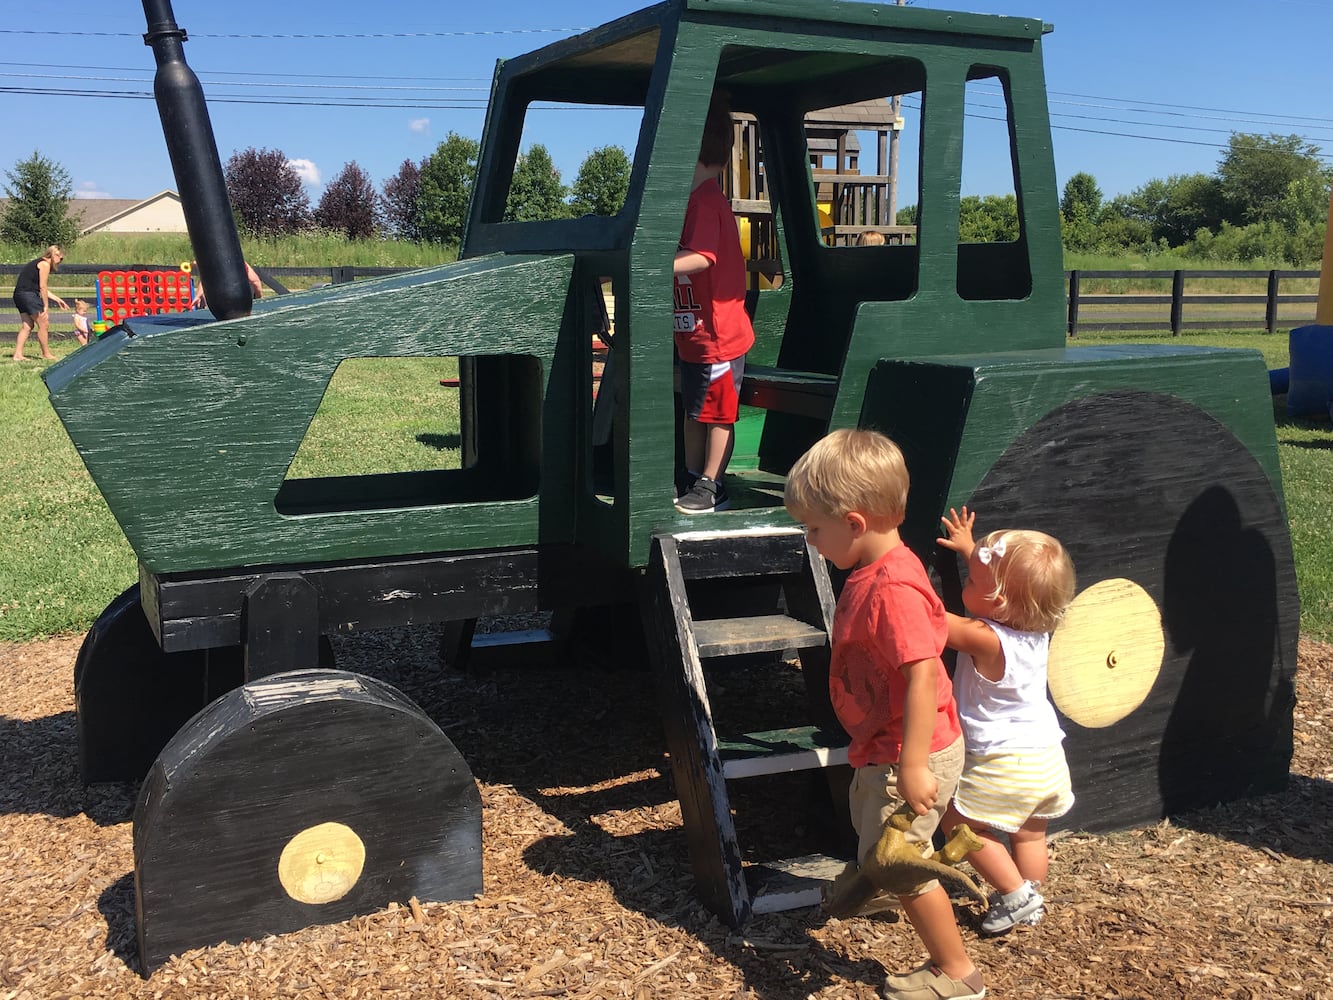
(587, 888)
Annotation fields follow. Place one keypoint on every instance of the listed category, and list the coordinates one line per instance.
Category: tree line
(422, 202)
(1267, 200)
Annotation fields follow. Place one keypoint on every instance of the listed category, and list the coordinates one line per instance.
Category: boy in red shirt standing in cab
(712, 328)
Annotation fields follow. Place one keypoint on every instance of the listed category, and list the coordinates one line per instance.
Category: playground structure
(323, 794)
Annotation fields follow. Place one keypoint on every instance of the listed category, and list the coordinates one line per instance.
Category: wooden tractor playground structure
(318, 794)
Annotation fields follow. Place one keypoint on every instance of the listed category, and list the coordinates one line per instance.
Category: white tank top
(1012, 713)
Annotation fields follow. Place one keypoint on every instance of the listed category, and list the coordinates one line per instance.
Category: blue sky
(1138, 89)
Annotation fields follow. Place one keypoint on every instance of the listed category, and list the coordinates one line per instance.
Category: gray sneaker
(704, 496)
(1008, 909)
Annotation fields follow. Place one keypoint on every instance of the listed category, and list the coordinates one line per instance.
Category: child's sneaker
(929, 983)
(684, 482)
(704, 496)
(1007, 909)
(1034, 918)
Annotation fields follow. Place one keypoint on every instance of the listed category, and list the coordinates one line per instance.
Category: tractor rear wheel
(1174, 670)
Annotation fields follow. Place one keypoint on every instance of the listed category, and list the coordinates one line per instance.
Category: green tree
(602, 183)
(446, 189)
(991, 218)
(1081, 191)
(536, 193)
(1173, 209)
(1257, 172)
(38, 212)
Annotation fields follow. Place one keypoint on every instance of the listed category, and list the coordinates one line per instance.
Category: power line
(238, 83)
(288, 37)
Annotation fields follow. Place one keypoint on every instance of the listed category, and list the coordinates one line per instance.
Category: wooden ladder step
(790, 883)
(760, 634)
(778, 751)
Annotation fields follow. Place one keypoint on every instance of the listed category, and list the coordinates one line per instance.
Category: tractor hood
(188, 425)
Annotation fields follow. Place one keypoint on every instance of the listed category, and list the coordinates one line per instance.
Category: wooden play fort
(309, 794)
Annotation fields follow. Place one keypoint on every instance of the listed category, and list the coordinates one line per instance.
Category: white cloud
(421, 125)
(307, 171)
(88, 189)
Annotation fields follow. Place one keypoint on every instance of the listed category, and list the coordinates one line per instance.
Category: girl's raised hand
(958, 532)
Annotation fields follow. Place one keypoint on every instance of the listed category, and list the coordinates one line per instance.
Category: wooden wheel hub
(321, 863)
(1106, 654)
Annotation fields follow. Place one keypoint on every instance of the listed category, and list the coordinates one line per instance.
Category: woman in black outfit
(30, 299)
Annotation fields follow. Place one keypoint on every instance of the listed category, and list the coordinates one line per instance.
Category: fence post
(1072, 326)
(342, 275)
(1177, 303)
(1270, 308)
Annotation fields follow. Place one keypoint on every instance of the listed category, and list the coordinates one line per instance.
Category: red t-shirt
(711, 322)
(888, 615)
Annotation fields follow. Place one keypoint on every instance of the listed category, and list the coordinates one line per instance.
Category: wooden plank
(778, 751)
(203, 610)
(696, 769)
(791, 883)
(763, 634)
(808, 394)
(733, 553)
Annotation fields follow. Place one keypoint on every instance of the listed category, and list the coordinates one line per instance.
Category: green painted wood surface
(189, 430)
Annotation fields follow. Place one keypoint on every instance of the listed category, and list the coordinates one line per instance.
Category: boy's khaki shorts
(873, 797)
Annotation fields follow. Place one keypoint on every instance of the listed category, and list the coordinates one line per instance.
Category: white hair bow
(988, 552)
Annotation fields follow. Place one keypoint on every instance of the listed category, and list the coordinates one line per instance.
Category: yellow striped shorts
(1004, 790)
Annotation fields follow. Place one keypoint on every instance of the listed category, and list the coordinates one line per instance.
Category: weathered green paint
(981, 403)
(188, 427)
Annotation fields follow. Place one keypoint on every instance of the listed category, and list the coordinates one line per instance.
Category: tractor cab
(825, 309)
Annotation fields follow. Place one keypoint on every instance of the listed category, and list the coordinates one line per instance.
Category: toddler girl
(1015, 778)
(82, 330)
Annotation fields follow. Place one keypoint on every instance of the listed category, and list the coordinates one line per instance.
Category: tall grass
(309, 250)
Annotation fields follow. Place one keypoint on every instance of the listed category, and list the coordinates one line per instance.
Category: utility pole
(896, 105)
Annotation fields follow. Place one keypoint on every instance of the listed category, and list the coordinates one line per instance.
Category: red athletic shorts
(709, 392)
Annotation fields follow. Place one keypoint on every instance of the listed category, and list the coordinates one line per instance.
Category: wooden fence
(1143, 310)
(1182, 308)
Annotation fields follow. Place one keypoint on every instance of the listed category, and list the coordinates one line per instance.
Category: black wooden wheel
(1174, 670)
(304, 797)
(130, 697)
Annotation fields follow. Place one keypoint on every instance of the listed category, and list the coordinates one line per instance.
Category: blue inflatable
(1310, 382)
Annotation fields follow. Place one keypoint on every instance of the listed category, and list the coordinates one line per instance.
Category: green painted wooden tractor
(1155, 465)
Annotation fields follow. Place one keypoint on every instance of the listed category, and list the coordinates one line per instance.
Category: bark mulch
(587, 886)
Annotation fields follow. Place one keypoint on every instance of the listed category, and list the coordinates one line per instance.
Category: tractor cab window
(555, 172)
(992, 249)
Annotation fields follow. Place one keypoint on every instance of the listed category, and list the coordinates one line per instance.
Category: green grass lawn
(66, 557)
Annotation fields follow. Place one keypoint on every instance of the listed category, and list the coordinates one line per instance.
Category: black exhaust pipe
(198, 170)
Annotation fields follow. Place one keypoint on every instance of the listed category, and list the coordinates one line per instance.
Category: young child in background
(712, 328)
(887, 683)
(83, 330)
(1015, 777)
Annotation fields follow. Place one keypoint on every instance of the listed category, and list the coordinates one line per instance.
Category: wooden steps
(702, 761)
